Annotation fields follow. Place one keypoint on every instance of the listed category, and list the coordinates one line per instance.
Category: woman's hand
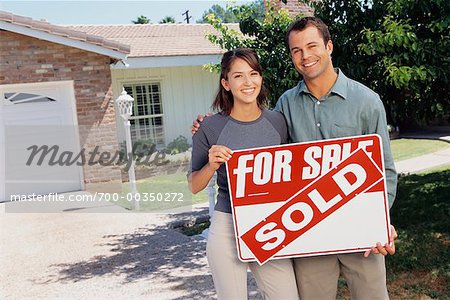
(217, 155)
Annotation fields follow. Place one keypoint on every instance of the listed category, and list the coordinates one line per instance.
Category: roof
(153, 40)
(62, 35)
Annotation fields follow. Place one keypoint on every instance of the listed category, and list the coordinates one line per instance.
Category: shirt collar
(339, 87)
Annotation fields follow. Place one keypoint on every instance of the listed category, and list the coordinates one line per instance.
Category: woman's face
(243, 82)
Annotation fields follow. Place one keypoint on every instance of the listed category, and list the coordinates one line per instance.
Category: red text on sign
(311, 205)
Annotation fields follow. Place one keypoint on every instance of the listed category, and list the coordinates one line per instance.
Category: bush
(141, 148)
(178, 145)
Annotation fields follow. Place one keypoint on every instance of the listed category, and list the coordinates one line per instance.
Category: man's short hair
(303, 23)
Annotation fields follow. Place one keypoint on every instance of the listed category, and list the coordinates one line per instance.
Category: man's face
(309, 53)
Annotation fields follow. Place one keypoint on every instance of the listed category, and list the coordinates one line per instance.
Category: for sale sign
(309, 199)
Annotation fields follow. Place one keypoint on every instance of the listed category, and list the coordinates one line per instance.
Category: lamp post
(125, 105)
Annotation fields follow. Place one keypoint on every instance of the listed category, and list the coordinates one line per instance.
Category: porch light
(125, 105)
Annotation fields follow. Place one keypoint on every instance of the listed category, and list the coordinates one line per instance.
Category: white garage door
(35, 118)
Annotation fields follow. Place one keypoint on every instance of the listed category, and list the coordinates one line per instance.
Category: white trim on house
(168, 61)
(62, 40)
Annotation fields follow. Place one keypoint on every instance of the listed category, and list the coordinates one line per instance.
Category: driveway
(74, 255)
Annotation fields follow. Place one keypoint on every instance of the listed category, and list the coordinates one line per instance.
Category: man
(327, 104)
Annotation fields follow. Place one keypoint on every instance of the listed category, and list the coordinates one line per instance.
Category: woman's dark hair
(303, 23)
(224, 99)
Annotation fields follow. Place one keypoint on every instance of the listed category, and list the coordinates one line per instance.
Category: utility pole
(187, 16)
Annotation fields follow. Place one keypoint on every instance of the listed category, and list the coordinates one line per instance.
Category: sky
(109, 12)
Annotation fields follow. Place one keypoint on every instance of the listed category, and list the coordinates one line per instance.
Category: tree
(266, 36)
(227, 15)
(224, 14)
(142, 20)
(411, 49)
(167, 19)
(399, 48)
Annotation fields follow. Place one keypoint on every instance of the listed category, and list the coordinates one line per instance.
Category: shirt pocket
(344, 130)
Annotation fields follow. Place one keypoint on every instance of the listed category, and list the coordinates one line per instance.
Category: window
(147, 119)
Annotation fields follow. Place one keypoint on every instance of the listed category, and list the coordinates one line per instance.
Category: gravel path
(102, 256)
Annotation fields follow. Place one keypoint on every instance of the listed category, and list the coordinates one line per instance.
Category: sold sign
(319, 191)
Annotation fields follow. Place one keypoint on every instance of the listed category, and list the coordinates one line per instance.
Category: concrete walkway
(424, 162)
(428, 161)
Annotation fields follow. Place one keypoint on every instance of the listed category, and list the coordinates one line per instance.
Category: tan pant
(275, 279)
(317, 276)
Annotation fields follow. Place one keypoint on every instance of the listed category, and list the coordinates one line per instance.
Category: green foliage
(141, 148)
(266, 36)
(178, 145)
(195, 229)
(399, 48)
(167, 19)
(223, 14)
(412, 47)
(141, 20)
(227, 14)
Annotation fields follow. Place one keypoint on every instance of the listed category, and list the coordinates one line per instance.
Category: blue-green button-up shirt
(350, 108)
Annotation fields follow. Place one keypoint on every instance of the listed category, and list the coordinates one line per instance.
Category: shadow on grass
(423, 202)
(421, 213)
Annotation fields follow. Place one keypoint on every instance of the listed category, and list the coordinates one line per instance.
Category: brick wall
(26, 60)
(294, 7)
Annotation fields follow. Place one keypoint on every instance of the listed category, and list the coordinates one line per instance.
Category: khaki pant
(275, 279)
(317, 276)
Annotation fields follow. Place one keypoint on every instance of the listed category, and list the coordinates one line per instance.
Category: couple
(326, 104)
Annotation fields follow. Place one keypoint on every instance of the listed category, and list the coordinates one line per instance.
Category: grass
(435, 169)
(421, 214)
(408, 148)
(163, 192)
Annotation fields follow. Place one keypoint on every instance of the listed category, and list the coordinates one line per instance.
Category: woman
(242, 122)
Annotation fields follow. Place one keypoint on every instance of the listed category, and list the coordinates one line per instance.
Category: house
(57, 90)
(164, 73)
(58, 85)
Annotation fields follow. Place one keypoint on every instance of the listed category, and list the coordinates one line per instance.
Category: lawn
(163, 192)
(421, 214)
(408, 148)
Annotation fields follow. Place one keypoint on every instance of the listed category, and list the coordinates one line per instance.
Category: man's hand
(198, 121)
(217, 155)
(386, 249)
